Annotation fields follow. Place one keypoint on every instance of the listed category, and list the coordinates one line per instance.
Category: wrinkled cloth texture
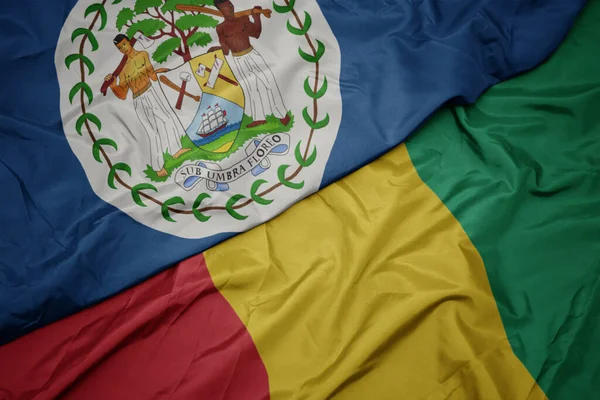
(172, 336)
(521, 172)
(62, 249)
(462, 265)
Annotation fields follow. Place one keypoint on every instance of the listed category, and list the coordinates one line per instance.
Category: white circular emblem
(200, 119)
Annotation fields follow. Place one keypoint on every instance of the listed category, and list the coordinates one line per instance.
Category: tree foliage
(147, 26)
(195, 21)
(199, 39)
(124, 17)
(165, 49)
(142, 5)
(159, 19)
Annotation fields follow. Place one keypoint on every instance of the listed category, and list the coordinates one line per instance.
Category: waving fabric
(460, 265)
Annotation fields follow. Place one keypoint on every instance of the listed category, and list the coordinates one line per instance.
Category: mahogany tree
(158, 19)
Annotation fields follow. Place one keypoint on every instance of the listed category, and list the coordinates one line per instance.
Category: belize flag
(138, 133)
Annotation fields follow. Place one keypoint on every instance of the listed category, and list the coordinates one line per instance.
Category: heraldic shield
(207, 99)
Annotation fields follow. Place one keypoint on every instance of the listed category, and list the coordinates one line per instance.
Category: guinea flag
(460, 265)
(138, 133)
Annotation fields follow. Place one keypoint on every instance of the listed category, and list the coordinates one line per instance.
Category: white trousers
(262, 96)
(162, 126)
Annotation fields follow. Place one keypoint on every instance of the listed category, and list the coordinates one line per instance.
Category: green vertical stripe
(520, 170)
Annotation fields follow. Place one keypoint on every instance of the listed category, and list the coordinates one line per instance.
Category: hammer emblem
(185, 78)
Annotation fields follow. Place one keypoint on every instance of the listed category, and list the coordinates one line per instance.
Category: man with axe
(260, 88)
(162, 126)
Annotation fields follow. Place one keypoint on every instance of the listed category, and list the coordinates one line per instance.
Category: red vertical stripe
(173, 337)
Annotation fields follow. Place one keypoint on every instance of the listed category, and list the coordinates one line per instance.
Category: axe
(137, 37)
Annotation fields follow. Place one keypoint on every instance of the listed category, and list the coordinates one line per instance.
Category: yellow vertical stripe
(370, 289)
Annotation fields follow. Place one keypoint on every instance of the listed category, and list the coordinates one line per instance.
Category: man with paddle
(162, 126)
(260, 88)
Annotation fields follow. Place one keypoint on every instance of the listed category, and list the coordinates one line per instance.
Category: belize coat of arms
(197, 117)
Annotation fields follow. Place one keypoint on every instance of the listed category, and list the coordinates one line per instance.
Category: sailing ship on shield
(208, 99)
(213, 121)
(209, 102)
